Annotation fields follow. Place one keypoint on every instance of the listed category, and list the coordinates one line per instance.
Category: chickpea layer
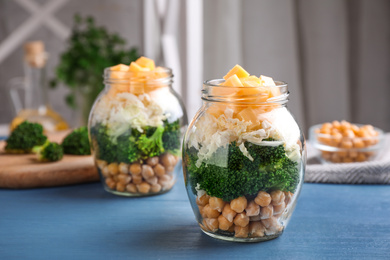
(242, 217)
(350, 138)
(152, 176)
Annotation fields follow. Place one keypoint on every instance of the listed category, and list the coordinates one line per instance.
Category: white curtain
(334, 54)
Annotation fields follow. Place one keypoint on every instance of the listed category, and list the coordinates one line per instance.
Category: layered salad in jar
(136, 127)
(243, 158)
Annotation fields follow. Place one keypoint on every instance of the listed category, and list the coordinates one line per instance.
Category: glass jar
(244, 161)
(136, 126)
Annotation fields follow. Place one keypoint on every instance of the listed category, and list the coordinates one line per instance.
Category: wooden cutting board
(19, 171)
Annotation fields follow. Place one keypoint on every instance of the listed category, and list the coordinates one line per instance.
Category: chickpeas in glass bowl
(344, 142)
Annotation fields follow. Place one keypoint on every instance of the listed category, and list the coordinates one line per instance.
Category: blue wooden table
(85, 222)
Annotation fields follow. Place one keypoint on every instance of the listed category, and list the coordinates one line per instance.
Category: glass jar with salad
(243, 158)
(136, 127)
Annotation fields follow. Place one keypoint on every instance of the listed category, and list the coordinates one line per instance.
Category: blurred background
(334, 54)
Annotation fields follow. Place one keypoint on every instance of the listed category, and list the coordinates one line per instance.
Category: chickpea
(169, 169)
(228, 213)
(202, 200)
(353, 154)
(277, 197)
(110, 183)
(159, 170)
(120, 187)
(355, 129)
(201, 211)
(288, 197)
(256, 229)
(326, 125)
(152, 180)
(347, 160)
(224, 224)
(278, 209)
(335, 158)
(135, 169)
(123, 168)
(361, 157)
(336, 124)
(131, 187)
(349, 133)
(137, 179)
(147, 171)
(344, 125)
(216, 203)
(266, 212)
(204, 225)
(165, 177)
(113, 168)
(167, 160)
(105, 172)
(241, 220)
(152, 161)
(143, 187)
(272, 226)
(210, 213)
(346, 144)
(101, 164)
(239, 204)
(231, 229)
(124, 178)
(326, 155)
(212, 224)
(255, 218)
(115, 178)
(252, 209)
(241, 231)
(155, 188)
(263, 199)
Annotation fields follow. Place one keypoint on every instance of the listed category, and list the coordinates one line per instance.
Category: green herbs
(25, 137)
(77, 142)
(270, 170)
(135, 145)
(49, 152)
(91, 49)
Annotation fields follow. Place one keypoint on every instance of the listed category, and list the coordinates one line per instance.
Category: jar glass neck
(213, 92)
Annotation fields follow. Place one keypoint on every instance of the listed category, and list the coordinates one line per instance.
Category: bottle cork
(34, 54)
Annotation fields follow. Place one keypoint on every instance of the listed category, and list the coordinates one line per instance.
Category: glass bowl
(349, 147)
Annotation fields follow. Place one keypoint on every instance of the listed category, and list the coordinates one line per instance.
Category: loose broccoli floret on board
(77, 142)
(49, 152)
(25, 137)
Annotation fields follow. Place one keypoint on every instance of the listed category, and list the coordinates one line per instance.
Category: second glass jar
(244, 162)
(136, 127)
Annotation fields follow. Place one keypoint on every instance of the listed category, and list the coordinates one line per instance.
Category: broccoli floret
(102, 144)
(128, 151)
(77, 142)
(171, 137)
(270, 170)
(49, 152)
(25, 137)
(151, 146)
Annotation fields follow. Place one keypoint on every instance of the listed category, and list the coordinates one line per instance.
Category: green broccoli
(127, 148)
(25, 137)
(49, 152)
(151, 145)
(77, 142)
(171, 137)
(270, 170)
(103, 145)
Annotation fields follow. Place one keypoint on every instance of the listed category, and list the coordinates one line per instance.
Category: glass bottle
(244, 161)
(34, 105)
